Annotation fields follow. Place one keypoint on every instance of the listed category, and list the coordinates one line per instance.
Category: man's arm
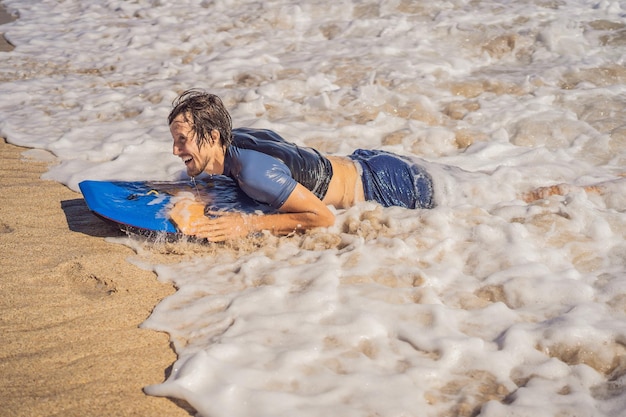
(302, 211)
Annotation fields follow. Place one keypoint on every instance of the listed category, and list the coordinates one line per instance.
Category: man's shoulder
(246, 134)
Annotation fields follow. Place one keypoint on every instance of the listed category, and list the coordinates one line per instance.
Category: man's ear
(215, 136)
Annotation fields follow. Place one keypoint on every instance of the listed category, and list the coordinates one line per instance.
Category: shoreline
(71, 306)
(5, 17)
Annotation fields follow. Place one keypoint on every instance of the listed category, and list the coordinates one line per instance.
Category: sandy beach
(71, 305)
(4, 18)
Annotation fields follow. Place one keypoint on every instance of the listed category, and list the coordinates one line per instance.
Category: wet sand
(71, 305)
(4, 18)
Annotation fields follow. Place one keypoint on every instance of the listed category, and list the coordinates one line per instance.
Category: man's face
(207, 158)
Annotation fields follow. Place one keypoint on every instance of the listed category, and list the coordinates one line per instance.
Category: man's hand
(190, 218)
(221, 226)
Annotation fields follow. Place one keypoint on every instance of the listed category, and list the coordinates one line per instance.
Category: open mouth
(187, 160)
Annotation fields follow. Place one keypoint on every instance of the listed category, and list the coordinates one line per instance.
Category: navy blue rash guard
(268, 168)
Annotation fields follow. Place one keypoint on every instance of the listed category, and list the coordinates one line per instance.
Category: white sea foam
(484, 306)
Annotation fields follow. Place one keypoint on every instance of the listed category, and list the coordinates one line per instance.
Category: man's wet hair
(205, 112)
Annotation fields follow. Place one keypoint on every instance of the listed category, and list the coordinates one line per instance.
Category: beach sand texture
(71, 304)
(70, 307)
(4, 18)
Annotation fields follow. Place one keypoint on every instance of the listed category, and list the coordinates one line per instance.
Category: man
(299, 182)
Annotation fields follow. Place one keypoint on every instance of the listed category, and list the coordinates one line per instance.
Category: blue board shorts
(393, 180)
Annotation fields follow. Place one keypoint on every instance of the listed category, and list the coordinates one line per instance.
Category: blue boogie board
(142, 206)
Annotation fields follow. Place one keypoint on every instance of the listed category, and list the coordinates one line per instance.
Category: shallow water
(486, 306)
